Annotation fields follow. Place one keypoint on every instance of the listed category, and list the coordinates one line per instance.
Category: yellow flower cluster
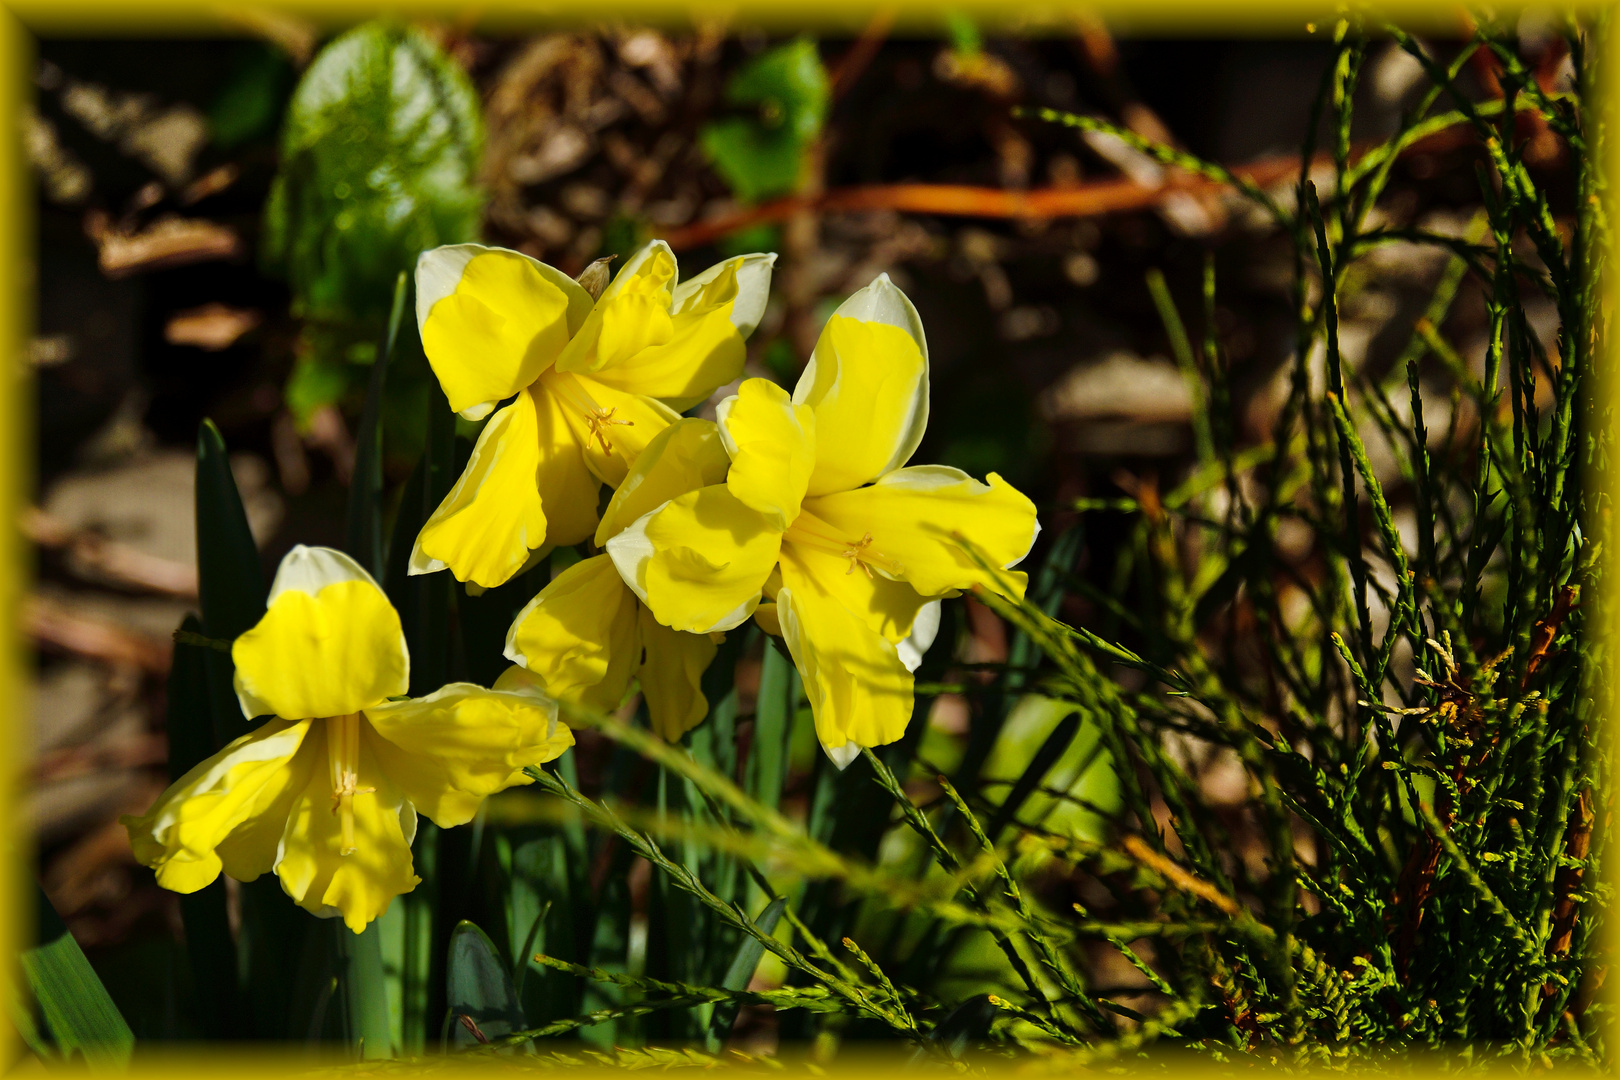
(327, 791)
(797, 510)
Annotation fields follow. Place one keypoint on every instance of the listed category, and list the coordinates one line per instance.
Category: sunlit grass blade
(82, 1018)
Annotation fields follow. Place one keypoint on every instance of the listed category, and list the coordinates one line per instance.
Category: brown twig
(50, 622)
(858, 57)
(1577, 845)
(1113, 195)
(150, 748)
(1541, 638)
(117, 563)
(1110, 196)
(163, 244)
(1182, 879)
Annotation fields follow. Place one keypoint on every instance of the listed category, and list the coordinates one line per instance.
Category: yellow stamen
(600, 418)
(343, 763)
(854, 552)
(812, 532)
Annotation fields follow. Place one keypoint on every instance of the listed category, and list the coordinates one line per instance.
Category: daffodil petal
(314, 871)
(484, 529)
(867, 381)
(860, 692)
(611, 427)
(683, 457)
(924, 628)
(766, 618)
(569, 487)
(325, 653)
(632, 314)
(698, 561)
(672, 676)
(843, 756)
(311, 569)
(519, 680)
(712, 316)
(915, 516)
(888, 608)
(236, 791)
(454, 748)
(772, 443)
(741, 285)
(578, 636)
(525, 486)
(491, 320)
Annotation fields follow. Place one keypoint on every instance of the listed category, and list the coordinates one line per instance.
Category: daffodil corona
(327, 791)
(592, 383)
(586, 635)
(819, 516)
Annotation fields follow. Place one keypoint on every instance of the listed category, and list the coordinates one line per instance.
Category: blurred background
(211, 244)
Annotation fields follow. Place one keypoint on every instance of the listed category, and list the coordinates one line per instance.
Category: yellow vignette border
(23, 19)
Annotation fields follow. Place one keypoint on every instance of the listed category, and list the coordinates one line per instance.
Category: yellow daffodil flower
(593, 384)
(327, 791)
(586, 635)
(819, 514)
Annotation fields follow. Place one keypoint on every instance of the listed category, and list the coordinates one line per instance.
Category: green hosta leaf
(480, 987)
(379, 156)
(786, 92)
(76, 1007)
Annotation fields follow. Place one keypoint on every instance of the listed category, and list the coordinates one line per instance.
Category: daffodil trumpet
(586, 636)
(824, 534)
(591, 383)
(326, 792)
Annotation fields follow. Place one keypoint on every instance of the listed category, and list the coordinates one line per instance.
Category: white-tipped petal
(841, 756)
(439, 270)
(311, 569)
(923, 631)
(633, 263)
(753, 289)
(722, 414)
(868, 388)
(883, 302)
(420, 563)
(631, 551)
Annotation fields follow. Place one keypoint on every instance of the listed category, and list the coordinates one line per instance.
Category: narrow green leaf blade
(1039, 765)
(773, 720)
(741, 973)
(77, 1008)
(365, 532)
(232, 592)
(231, 583)
(359, 959)
(209, 945)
